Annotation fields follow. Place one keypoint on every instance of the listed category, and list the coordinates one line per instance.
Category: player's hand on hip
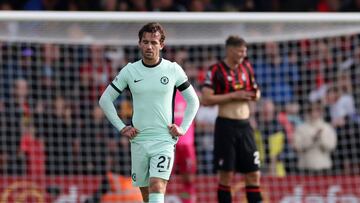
(175, 130)
(129, 132)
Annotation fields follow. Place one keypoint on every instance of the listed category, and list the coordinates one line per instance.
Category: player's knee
(225, 177)
(252, 178)
(145, 193)
(157, 185)
(145, 198)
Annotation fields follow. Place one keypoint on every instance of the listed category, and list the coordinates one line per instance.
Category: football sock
(156, 198)
(253, 194)
(224, 194)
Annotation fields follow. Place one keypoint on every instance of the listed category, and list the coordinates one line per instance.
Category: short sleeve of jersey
(121, 80)
(180, 75)
(210, 78)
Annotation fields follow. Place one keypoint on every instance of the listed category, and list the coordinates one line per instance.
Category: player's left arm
(253, 82)
(192, 103)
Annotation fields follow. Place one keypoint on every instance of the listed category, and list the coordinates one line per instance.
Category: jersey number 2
(162, 163)
(257, 158)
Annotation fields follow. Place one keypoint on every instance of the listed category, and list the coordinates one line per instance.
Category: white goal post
(62, 61)
(182, 28)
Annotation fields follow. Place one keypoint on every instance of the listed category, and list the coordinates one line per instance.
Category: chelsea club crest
(164, 80)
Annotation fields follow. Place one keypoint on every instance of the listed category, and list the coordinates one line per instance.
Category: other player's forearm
(192, 106)
(107, 105)
(209, 100)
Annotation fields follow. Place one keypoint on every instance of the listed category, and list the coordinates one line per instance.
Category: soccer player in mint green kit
(153, 82)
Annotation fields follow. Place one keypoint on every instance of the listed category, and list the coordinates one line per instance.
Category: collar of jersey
(151, 66)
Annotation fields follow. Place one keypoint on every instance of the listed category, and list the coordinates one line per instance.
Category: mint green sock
(156, 198)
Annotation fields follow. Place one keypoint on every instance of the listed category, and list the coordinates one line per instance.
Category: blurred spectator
(276, 74)
(7, 75)
(297, 5)
(6, 5)
(355, 78)
(328, 5)
(94, 154)
(340, 104)
(138, 5)
(84, 5)
(17, 113)
(58, 129)
(275, 152)
(319, 70)
(34, 152)
(351, 6)
(179, 5)
(182, 58)
(166, 5)
(95, 73)
(352, 66)
(200, 6)
(109, 5)
(248, 5)
(347, 153)
(47, 5)
(50, 74)
(290, 119)
(323, 63)
(341, 110)
(26, 68)
(314, 142)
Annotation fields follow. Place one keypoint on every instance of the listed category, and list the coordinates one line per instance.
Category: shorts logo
(164, 80)
(133, 177)
(221, 162)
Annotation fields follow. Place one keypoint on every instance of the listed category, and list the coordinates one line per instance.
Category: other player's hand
(175, 130)
(129, 132)
(243, 95)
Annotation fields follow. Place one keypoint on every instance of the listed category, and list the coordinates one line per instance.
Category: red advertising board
(291, 189)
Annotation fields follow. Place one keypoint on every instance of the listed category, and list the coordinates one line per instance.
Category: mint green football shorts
(151, 159)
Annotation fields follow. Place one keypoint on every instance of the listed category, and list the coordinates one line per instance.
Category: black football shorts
(234, 146)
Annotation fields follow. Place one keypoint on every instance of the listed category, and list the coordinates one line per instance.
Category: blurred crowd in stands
(307, 121)
(182, 5)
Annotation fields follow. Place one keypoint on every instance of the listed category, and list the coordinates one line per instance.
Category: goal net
(57, 146)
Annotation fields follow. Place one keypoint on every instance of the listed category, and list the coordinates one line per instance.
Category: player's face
(150, 46)
(237, 53)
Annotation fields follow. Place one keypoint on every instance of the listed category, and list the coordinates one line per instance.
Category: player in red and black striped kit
(231, 84)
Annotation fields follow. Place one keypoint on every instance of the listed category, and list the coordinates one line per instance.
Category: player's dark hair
(152, 28)
(235, 41)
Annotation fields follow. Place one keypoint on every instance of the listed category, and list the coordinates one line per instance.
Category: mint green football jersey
(153, 93)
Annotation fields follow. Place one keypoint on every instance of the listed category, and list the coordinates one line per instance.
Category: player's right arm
(209, 98)
(106, 103)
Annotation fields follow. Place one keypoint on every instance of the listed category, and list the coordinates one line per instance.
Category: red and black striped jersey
(222, 79)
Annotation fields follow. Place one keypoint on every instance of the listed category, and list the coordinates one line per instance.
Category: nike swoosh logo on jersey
(161, 171)
(135, 81)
